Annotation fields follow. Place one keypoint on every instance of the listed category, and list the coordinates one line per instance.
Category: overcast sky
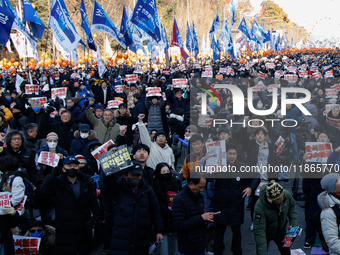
(308, 13)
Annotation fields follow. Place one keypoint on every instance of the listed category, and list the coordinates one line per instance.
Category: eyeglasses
(38, 230)
(187, 131)
(16, 138)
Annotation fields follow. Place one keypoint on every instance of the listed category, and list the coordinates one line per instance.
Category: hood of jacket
(117, 114)
(91, 136)
(326, 200)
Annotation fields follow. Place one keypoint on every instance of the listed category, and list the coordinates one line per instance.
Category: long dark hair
(159, 167)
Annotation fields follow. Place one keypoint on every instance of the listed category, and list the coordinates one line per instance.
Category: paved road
(248, 241)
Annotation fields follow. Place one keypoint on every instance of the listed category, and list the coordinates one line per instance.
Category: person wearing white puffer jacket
(327, 199)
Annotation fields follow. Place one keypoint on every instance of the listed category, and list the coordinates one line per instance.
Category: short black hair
(193, 180)
(137, 96)
(122, 105)
(9, 163)
(38, 223)
(323, 132)
(258, 130)
(30, 127)
(12, 133)
(139, 147)
(195, 138)
(231, 146)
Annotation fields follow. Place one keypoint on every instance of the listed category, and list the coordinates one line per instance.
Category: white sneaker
(252, 227)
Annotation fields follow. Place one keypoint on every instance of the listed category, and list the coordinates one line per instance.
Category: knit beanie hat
(81, 159)
(52, 135)
(328, 182)
(273, 191)
(159, 133)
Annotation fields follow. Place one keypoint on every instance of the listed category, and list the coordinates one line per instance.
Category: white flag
(8, 46)
(18, 82)
(108, 48)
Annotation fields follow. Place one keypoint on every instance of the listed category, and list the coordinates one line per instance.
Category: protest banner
(113, 104)
(208, 122)
(333, 122)
(280, 144)
(48, 158)
(258, 87)
(208, 68)
(317, 151)
(262, 75)
(196, 65)
(26, 245)
(329, 74)
(278, 74)
(247, 66)
(102, 149)
(179, 83)
(75, 76)
(207, 74)
(317, 75)
(131, 78)
(112, 162)
(182, 67)
(292, 69)
(119, 88)
(336, 87)
(166, 71)
(230, 71)
(291, 77)
(153, 91)
(330, 106)
(4, 201)
(331, 93)
(303, 67)
(42, 100)
(121, 100)
(314, 68)
(326, 67)
(303, 74)
(271, 87)
(192, 75)
(58, 92)
(270, 65)
(217, 153)
(140, 71)
(223, 70)
(32, 89)
(55, 75)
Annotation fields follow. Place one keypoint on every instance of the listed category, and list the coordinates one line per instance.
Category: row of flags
(141, 24)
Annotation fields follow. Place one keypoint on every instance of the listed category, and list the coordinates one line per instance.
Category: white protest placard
(318, 152)
(42, 100)
(278, 74)
(331, 93)
(333, 122)
(208, 68)
(270, 65)
(4, 200)
(58, 92)
(153, 91)
(330, 106)
(32, 89)
(280, 144)
(18, 82)
(113, 104)
(258, 87)
(208, 122)
(329, 74)
(247, 66)
(121, 100)
(336, 86)
(197, 65)
(119, 88)
(291, 77)
(314, 68)
(48, 158)
(101, 149)
(230, 71)
(303, 74)
(303, 67)
(166, 71)
(140, 71)
(292, 69)
(207, 74)
(26, 245)
(75, 76)
(131, 78)
(326, 67)
(271, 87)
(223, 70)
(163, 95)
(182, 67)
(55, 75)
(179, 83)
(217, 153)
(262, 75)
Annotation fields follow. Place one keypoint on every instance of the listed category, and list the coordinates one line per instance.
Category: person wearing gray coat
(154, 107)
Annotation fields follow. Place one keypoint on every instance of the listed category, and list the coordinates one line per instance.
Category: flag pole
(3, 66)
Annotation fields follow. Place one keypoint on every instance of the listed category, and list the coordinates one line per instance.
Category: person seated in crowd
(46, 233)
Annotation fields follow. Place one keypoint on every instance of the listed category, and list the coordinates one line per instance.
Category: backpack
(29, 190)
(317, 223)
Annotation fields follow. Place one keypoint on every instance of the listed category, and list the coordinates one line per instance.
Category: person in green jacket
(272, 211)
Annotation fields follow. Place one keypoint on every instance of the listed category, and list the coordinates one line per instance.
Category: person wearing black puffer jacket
(189, 218)
(166, 187)
(133, 212)
(177, 123)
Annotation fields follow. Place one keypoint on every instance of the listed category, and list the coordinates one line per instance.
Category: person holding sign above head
(134, 211)
(175, 97)
(75, 201)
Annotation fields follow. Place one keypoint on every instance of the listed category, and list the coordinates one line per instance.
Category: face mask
(256, 98)
(165, 177)
(90, 104)
(52, 145)
(37, 234)
(72, 172)
(69, 107)
(36, 108)
(133, 181)
(8, 98)
(259, 105)
(84, 136)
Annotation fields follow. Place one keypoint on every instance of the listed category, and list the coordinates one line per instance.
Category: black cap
(136, 168)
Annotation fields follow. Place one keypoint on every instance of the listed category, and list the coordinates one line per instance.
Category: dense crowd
(156, 199)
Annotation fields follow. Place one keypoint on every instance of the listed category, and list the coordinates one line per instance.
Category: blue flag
(224, 36)
(125, 29)
(102, 22)
(195, 41)
(189, 38)
(215, 26)
(6, 22)
(85, 25)
(163, 43)
(215, 45)
(230, 50)
(256, 31)
(232, 14)
(145, 17)
(31, 15)
(63, 31)
(18, 25)
(267, 37)
(244, 28)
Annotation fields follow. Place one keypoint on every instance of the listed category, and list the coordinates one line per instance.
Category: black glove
(56, 99)
(86, 103)
(49, 109)
(175, 139)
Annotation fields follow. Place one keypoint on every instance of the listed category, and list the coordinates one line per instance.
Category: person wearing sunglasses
(47, 235)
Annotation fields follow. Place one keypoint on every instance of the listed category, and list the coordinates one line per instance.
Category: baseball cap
(69, 160)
